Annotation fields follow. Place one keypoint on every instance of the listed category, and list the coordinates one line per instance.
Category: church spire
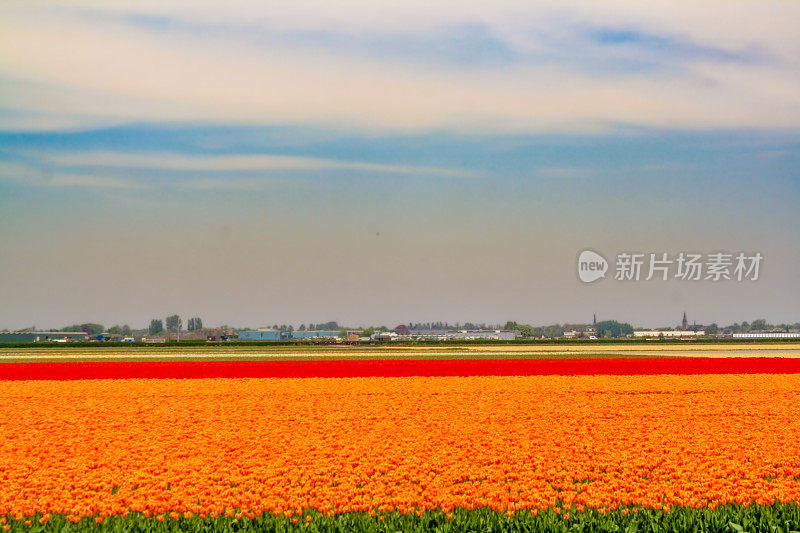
(684, 322)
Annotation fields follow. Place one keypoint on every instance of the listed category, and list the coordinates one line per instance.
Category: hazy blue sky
(381, 162)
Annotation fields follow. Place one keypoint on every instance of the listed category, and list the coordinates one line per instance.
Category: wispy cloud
(396, 65)
(81, 180)
(234, 163)
(471, 44)
(30, 174)
(121, 170)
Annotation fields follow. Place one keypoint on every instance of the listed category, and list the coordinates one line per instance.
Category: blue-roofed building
(264, 335)
(315, 334)
(276, 335)
(43, 336)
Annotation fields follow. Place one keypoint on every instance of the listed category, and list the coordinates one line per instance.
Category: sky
(381, 162)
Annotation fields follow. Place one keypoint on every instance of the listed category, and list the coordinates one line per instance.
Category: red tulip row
(337, 368)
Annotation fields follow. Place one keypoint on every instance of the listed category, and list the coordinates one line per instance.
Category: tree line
(174, 324)
(606, 328)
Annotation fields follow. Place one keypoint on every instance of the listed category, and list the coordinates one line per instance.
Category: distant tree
(291, 328)
(194, 324)
(712, 329)
(174, 323)
(312, 327)
(302, 327)
(156, 327)
(614, 329)
(368, 332)
(126, 330)
(759, 325)
(525, 330)
(114, 330)
(554, 331)
(92, 329)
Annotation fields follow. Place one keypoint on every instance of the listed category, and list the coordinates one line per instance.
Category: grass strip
(729, 518)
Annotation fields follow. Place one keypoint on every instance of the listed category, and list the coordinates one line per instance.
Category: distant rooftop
(51, 332)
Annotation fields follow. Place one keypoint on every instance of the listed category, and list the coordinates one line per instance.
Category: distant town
(172, 329)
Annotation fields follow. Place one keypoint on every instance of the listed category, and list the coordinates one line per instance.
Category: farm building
(767, 335)
(277, 335)
(669, 333)
(263, 335)
(43, 336)
(484, 334)
(315, 334)
(464, 334)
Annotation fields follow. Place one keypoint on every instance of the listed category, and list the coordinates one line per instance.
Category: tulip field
(606, 445)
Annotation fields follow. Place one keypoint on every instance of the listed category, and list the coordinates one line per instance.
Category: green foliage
(327, 326)
(478, 342)
(614, 329)
(92, 329)
(524, 329)
(173, 323)
(194, 324)
(119, 330)
(89, 328)
(778, 518)
(156, 327)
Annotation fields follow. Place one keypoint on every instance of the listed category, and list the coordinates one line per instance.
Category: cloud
(389, 65)
(122, 170)
(80, 180)
(30, 174)
(233, 163)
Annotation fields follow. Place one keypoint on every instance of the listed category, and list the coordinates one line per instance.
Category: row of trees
(325, 326)
(88, 328)
(760, 325)
(174, 324)
(554, 331)
(613, 329)
(447, 325)
(607, 328)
